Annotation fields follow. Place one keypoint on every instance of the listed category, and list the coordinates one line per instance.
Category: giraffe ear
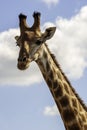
(49, 32)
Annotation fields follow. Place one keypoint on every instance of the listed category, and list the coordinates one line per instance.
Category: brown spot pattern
(58, 91)
(68, 115)
(74, 127)
(85, 127)
(55, 84)
(49, 82)
(47, 66)
(51, 74)
(64, 101)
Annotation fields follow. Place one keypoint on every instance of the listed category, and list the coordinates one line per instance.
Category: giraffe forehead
(32, 34)
(29, 34)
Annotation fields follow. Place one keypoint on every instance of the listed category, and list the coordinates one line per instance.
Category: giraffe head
(30, 40)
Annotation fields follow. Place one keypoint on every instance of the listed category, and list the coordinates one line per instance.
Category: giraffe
(32, 47)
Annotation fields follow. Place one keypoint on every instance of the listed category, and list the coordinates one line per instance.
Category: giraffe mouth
(23, 65)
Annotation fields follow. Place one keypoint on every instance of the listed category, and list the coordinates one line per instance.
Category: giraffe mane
(57, 64)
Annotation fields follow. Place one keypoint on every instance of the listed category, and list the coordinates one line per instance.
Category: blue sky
(26, 103)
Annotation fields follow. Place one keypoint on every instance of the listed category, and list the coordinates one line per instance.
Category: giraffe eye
(38, 42)
(17, 44)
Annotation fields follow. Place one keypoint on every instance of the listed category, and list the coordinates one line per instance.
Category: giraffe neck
(71, 108)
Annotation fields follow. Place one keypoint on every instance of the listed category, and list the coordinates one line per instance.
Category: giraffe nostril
(20, 59)
(24, 59)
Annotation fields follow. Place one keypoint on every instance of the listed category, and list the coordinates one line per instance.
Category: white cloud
(69, 45)
(50, 2)
(51, 111)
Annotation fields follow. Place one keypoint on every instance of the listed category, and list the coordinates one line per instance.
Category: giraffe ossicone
(32, 47)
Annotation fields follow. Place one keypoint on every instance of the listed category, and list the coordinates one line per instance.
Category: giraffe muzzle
(23, 63)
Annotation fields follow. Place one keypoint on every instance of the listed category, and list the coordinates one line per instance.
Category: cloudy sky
(25, 101)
